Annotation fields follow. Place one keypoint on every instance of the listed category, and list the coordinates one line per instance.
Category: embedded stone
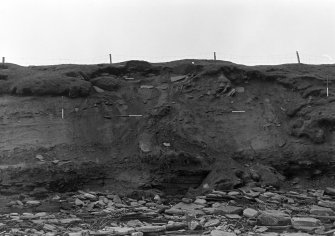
(273, 218)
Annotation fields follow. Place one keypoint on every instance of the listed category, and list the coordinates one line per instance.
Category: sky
(43, 32)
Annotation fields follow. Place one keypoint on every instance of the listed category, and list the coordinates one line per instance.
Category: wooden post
(214, 56)
(110, 58)
(3, 62)
(298, 57)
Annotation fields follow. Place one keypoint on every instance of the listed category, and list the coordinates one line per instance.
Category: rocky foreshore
(246, 211)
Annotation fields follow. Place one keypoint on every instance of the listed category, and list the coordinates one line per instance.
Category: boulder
(194, 225)
(273, 218)
(109, 83)
(117, 199)
(79, 202)
(321, 211)
(305, 223)
(330, 191)
(212, 223)
(328, 204)
(250, 213)
(176, 226)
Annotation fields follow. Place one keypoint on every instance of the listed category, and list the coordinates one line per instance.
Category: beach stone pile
(262, 211)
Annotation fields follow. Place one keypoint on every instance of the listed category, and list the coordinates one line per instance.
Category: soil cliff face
(198, 125)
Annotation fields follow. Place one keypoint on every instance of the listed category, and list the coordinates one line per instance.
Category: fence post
(214, 56)
(298, 57)
(110, 58)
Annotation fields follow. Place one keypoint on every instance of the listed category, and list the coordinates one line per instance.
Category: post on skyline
(298, 57)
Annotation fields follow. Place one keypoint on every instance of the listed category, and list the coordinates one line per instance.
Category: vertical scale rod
(62, 108)
(3, 62)
(110, 58)
(298, 57)
(214, 56)
(327, 85)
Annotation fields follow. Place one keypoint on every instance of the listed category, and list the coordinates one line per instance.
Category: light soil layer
(188, 137)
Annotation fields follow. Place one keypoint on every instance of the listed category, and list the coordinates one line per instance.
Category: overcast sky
(243, 31)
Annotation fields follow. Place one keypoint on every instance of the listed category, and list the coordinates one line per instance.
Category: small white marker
(327, 86)
(62, 108)
(237, 111)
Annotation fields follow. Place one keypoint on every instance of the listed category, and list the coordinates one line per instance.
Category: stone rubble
(247, 211)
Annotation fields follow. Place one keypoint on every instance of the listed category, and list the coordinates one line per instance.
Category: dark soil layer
(186, 136)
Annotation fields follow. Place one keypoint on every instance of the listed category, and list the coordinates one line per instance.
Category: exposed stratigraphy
(185, 137)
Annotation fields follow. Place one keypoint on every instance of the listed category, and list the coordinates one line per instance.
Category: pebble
(187, 200)
(79, 202)
(121, 230)
(200, 201)
(90, 196)
(193, 225)
(212, 223)
(221, 233)
(157, 198)
(137, 234)
(250, 213)
(33, 202)
(233, 193)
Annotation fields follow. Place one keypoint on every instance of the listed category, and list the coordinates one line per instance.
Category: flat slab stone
(221, 233)
(212, 223)
(151, 228)
(178, 78)
(305, 223)
(273, 218)
(321, 211)
(224, 210)
(122, 230)
(69, 220)
(250, 213)
(330, 191)
(329, 204)
(98, 90)
(147, 87)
